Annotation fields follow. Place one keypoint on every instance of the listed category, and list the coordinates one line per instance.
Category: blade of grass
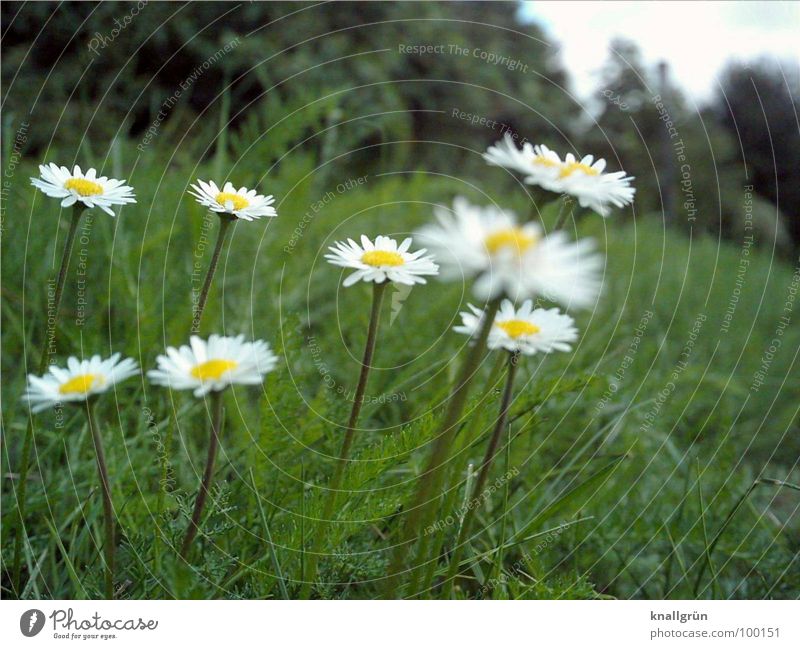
(672, 555)
(681, 564)
(585, 488)
(273, 557)
(430, 573)
(532, 537)
(302, 522)
(500, 557)
(732, 513)
(73, 574)
(706, 553)
(33, 574)
(220, 154)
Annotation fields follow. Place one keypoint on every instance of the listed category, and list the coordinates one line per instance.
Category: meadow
(658, 459)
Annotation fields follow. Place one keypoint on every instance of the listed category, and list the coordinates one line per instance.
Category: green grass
(614, 492)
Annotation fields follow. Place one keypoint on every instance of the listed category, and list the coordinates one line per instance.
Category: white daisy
(584, 179)
(594, 189)
(87, 188)
(517, 261)
(214, 365)
(381, 261)
(525, 330)
(540, 165)
(242, 203)
(78, 381)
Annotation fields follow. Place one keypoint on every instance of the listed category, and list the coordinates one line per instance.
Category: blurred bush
(84, 74)
(306, 51)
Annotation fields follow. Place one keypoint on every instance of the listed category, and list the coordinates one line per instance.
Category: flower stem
(467, 439)
(108, 508)
(480, 483)
(425, 500)
(224, 225)
(378, 292)
(27, 443)
(205, 485)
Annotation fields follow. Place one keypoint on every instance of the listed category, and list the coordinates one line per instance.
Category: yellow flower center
(514, 238)
(569, 168)
(238, 202)
(382, 258)
(212, 370)
(79, 384)
(84, 187)
(544, 161)
(517, 328)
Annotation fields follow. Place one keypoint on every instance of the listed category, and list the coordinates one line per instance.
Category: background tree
(757, 104)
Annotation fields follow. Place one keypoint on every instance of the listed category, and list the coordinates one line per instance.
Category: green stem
(466, 434)
(378, 292)
(25, 460)
(423, 505)
(205, 484)
(108, 508)
(480, 483)
(224, 225)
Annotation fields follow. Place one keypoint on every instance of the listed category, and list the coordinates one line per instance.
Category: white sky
(695, 38)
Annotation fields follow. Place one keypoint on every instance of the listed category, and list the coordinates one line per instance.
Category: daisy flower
(79, 381)
(230, 204)
(525, 330)
(88, 188)
(381, 261)
(241, 203)
(213, 365)
(540, 165)
(517, 261)
(584, 179)
(518, 331)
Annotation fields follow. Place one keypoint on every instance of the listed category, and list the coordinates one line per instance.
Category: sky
(695, 38)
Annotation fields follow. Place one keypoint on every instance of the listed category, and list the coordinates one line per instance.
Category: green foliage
(617, 484)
